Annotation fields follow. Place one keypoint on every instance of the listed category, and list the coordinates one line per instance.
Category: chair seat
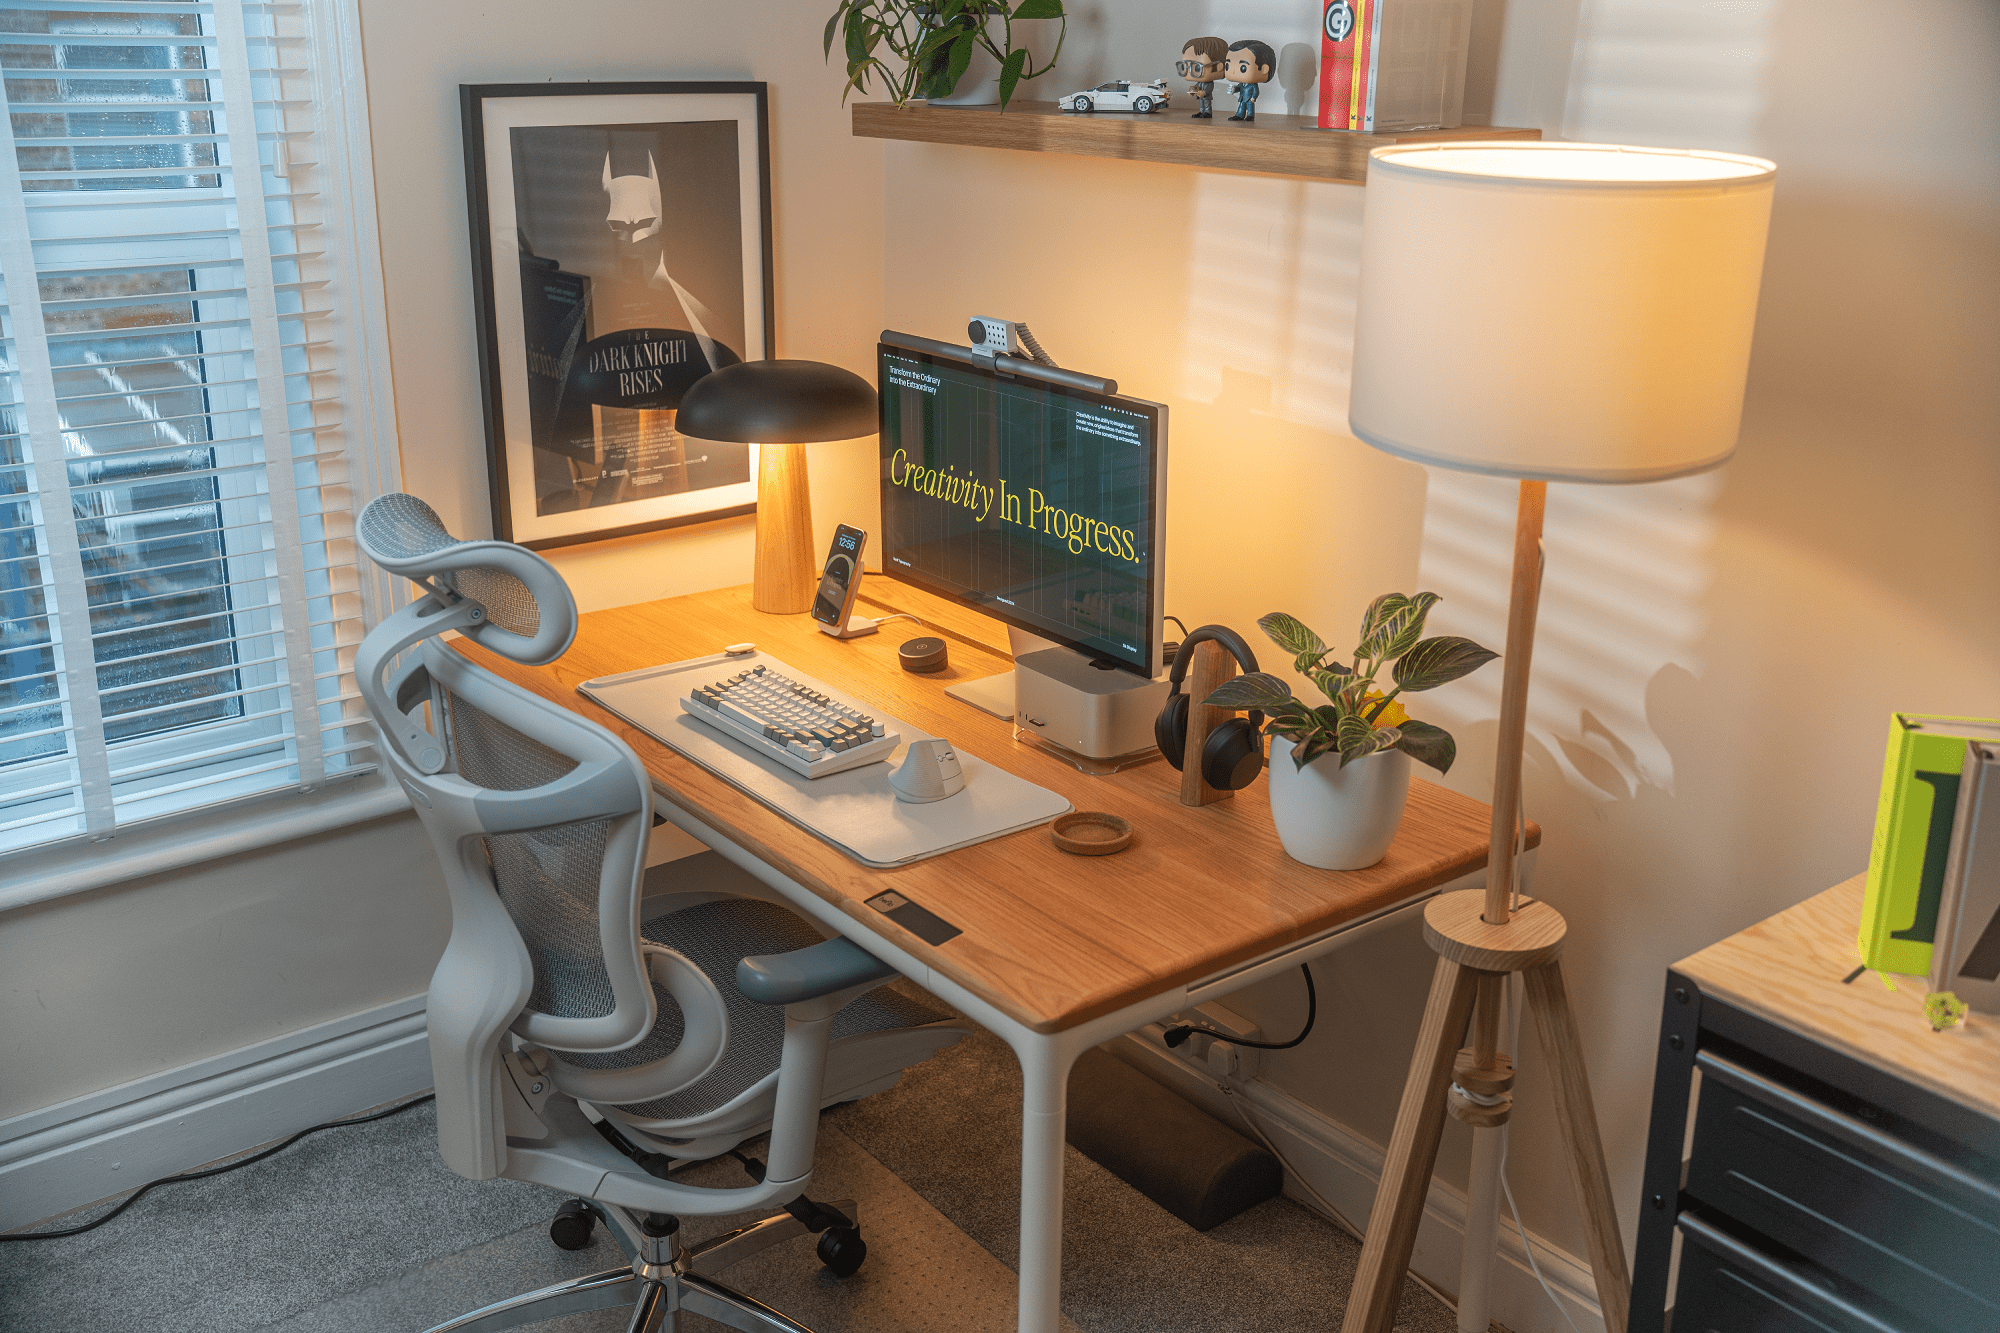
(714, 936)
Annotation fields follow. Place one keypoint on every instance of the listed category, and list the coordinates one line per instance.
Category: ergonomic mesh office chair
(572, 1045)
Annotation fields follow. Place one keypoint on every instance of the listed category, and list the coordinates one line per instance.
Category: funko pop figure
(1249, 64)
(1203, 61)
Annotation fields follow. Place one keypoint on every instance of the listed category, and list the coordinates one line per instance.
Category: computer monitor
(1040, 503)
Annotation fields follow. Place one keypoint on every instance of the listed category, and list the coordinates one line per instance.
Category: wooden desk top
(1050, 939)
(1788, 969)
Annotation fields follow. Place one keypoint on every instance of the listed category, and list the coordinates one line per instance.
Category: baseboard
(92, 1147)
(1344, 1167)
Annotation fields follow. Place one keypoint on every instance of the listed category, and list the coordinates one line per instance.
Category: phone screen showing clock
(843, 566)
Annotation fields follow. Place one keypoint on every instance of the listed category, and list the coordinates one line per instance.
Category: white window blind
(178, 597)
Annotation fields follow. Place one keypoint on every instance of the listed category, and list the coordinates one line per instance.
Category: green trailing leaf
(1428, 744)
(1010, 74)
(1259, 689)
(1291, 634)
(961, 60)
(832, 26)
(1039, 9)
(1439, 661)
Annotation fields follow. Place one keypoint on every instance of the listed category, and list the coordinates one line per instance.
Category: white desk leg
(1045, 1065)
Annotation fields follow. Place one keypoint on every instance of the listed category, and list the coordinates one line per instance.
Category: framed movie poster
(621, 244)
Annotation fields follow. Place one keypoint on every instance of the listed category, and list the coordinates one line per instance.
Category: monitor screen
(1036, 503)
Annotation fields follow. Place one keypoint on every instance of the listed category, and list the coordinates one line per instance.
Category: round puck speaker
(923, 655)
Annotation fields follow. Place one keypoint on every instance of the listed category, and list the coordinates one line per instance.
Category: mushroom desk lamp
(780, 406)
(1549, 312)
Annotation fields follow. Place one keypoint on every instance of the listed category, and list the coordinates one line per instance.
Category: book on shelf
(1965, 957)
(1923, 774)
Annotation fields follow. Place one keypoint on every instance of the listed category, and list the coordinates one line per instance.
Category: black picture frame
(577, 448)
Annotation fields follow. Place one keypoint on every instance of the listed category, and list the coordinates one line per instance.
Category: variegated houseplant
(935, 40)
(1359, 718)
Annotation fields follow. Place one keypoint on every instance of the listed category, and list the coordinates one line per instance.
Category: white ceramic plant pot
(1338, 818)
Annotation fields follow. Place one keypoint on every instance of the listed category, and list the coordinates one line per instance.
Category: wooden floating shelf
(1273, 145)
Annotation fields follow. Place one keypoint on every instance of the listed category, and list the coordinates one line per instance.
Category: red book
(1339, 34)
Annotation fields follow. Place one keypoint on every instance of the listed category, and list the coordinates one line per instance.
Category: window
(175, 601)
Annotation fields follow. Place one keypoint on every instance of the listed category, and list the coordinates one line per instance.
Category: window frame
(346, 252)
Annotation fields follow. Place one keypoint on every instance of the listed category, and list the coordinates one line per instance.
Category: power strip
(1220, 1059)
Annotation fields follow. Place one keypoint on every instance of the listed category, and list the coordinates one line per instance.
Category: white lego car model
(1119, 95)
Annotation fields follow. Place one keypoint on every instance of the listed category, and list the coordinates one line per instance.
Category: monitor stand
(995, 694)
(989, 694)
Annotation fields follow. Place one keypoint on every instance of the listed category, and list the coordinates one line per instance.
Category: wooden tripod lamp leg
(1406, 1171)
(1582, 1148)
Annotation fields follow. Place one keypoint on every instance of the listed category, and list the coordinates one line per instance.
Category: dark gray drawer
(1918, 1234)
(1729, 1286)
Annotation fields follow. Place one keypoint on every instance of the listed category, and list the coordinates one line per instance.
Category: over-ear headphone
(1233, 754)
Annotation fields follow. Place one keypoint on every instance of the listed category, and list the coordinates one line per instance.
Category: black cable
(1175, 1036)
(217, 1170)
(1177, 621)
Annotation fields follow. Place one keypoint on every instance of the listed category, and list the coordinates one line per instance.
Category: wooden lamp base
(1474, 958)
(784, 578)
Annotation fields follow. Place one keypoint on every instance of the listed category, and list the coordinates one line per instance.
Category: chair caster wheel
(841, 1249)
(572, 1225)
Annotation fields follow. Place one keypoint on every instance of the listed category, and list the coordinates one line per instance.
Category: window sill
(43, 874)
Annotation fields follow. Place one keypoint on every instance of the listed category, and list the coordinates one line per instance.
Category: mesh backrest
(403, 527)
(547, 878)
(507, 600)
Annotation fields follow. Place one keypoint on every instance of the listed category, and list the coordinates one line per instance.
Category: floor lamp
(780, 406)
(1547, 312)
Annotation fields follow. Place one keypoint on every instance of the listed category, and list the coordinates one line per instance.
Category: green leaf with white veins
(1259, 689)
(1397, 626)
(1289, 633)
(1039, 9)
(1439, 661)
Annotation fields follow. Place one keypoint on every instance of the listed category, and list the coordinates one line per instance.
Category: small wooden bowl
(1091, 833)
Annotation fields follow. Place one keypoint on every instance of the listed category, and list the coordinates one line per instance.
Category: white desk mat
(856, 810)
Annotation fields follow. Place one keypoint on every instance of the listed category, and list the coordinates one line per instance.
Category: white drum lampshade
(1557, 311)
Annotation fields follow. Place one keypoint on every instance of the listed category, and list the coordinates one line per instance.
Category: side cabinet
(1811, 1191)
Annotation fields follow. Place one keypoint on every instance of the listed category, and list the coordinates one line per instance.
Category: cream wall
(1718, 655)
(112, 985)
(827, 202)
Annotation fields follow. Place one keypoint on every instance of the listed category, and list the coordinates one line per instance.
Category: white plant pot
(1338, 818)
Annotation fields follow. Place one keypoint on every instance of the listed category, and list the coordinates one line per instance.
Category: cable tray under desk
(855, 811)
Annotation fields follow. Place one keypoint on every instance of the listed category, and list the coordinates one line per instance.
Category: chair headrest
(530, 615)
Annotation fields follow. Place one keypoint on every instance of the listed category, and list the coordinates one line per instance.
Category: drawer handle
(1845, 1127)
(1698, 1229)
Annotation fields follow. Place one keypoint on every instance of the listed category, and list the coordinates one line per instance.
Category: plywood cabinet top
(1272, 145)
(1789, 970)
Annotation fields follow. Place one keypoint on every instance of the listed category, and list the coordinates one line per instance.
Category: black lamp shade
(778, 402)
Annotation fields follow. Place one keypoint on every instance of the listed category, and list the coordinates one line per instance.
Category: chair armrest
(807, 974)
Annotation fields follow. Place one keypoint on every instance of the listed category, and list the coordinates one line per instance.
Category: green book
(1913, 822)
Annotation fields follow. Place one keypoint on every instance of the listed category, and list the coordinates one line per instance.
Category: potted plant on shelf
(936, 41)
(1338, 801)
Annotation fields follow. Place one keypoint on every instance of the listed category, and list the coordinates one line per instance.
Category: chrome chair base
(663, 1279)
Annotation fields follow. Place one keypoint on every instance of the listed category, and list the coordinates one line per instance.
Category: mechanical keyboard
(781, 719)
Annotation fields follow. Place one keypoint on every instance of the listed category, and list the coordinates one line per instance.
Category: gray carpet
(951, 1131)
(364, 1229)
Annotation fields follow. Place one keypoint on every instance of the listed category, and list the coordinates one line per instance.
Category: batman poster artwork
(631, 289)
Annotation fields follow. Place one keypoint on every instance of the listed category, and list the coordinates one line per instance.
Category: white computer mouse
(930, 772)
